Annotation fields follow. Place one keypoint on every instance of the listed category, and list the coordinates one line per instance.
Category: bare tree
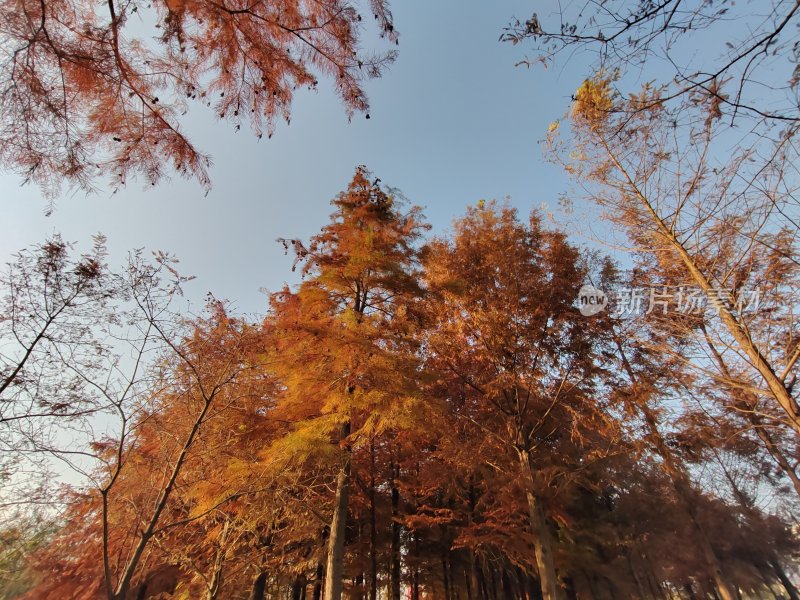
(51, 305)
(721, 225)
(749, 64)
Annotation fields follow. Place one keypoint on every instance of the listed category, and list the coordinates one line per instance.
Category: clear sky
(452, 121)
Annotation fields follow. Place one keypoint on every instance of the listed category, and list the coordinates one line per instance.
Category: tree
(718, 227)
(509, 337)
(205, 367)
(758, 55)
(90, 94)
(343, 343)
(51, 304)
(145, 486)
(701, 159)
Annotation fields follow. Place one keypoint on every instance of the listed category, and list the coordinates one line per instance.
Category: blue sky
(452, 121)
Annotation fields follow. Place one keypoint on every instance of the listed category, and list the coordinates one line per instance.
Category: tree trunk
(299, 588)
(259, 586)
(753, 417)
(634, 574)
(508, 586)
(445, 577)
(335, 567)
(687, 587)
(681, 485)
(652, 580)
(216, 578)
(395, 559)
(142, 593)
(785, 581)
(481, 580)
(318, 583)
(541, 534)
(493, 580)
(373, 529)
(121, 593)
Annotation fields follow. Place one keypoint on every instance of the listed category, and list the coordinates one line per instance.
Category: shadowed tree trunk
(395, 560)
(299, 588)
(373, 529)
(259, 587)
(541, 534)
(687, 587)
(317, 595)
(785, 581)
(445, 576)
(334, 571)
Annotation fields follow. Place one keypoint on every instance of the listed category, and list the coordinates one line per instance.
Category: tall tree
(509, 337)
(53, 304)
(344, 348)
(720, 227)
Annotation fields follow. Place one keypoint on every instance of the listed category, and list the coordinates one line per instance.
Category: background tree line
(420, 416)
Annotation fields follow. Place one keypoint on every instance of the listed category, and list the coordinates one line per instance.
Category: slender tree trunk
(259, 586)
(335, 568)
(373, 529)
(360, 592)
(216, 578)
(635, 574)
(754, 418)
(534, 588)
(508, 586)
(445, 577)
(481, 579)
(785, 581)
(541, 534)
(473, 578)
(142, 593)
(121, 593)
(318, 580)
(687, 587)
(395, 559)
(299, 588)
(493, 580)
(652, 580)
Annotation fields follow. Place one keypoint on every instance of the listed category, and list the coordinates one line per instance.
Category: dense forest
(490, 412)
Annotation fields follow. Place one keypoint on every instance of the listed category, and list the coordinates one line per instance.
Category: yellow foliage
(594, 100)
